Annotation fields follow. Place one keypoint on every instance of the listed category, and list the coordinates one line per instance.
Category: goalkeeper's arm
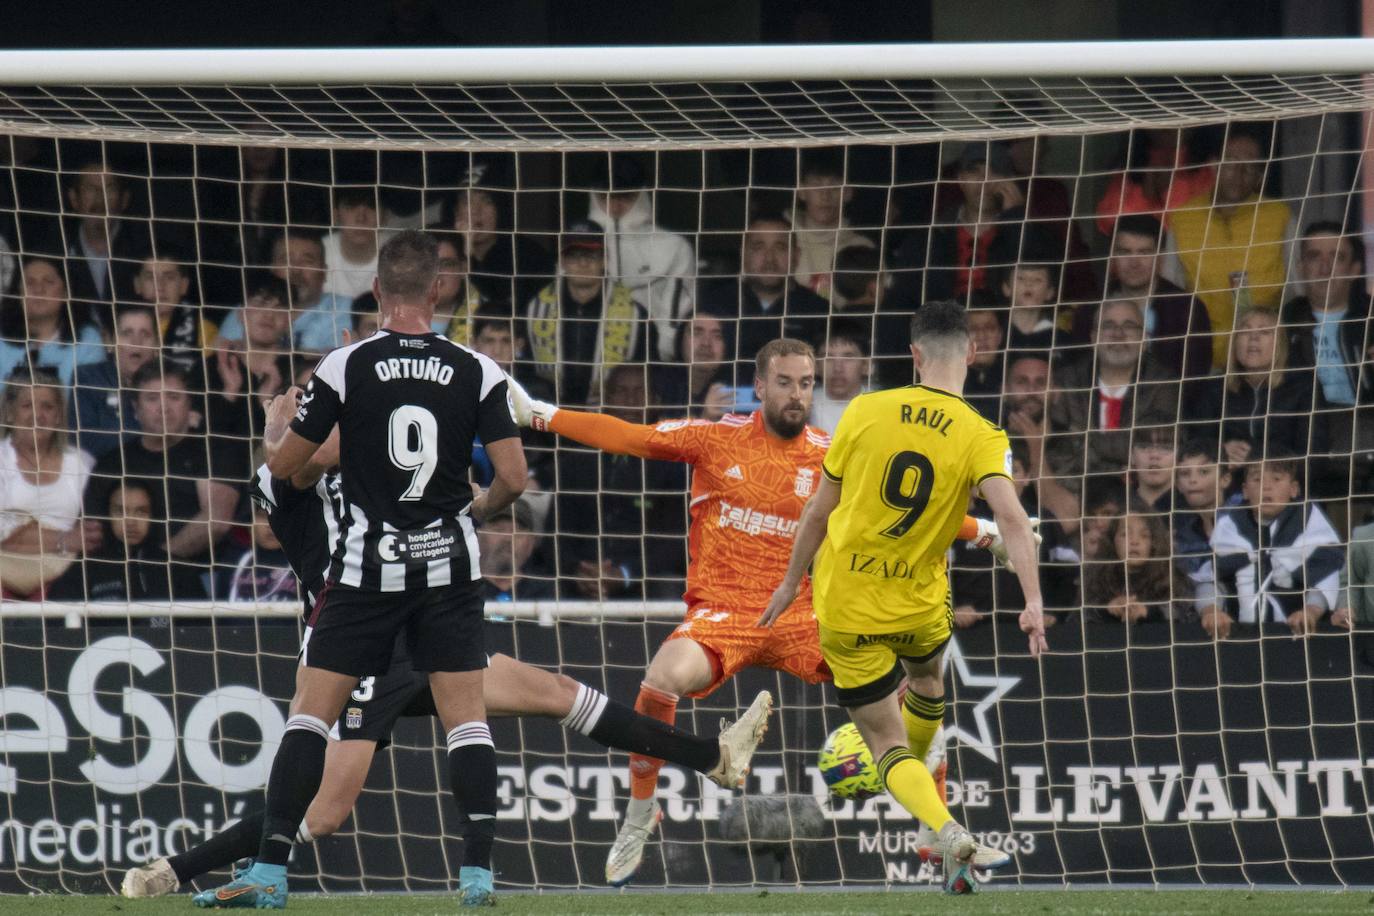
(610, 434)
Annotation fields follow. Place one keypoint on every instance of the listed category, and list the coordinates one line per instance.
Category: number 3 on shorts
(413, 442)
(911, 498)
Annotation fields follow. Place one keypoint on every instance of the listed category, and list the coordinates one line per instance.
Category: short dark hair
(856, 266)
(499, 319)
(1199, 448)
(268, 286)
(941, 318)
(160, 370)
(407, 264)
(828, 163)
(355, 195)
(851, 330)
(298, 234)
(173, 254)
(1331, 227)
(1140, 224)
(776, 219)
(782, 346)
(136, 308)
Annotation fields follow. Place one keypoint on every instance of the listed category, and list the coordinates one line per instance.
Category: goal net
(1162, 252)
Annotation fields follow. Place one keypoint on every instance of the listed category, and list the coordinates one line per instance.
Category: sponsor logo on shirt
(754, 522)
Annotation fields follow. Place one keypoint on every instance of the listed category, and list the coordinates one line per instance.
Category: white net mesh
(1134, 362)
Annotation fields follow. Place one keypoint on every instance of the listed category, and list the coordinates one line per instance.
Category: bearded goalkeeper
(896, 481)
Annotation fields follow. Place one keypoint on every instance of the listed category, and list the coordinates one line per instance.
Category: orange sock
(660, 705)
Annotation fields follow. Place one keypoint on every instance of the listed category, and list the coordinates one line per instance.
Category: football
(847, 766)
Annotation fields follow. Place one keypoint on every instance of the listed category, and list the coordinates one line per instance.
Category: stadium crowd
(1182, 370)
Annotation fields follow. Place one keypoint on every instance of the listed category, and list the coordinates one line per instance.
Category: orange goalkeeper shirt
(748, 490)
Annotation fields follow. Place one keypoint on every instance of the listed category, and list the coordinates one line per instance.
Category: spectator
(43, 330)
(980, 587)
(1328, 327)
(102, 411)
(496, 335)
(41, 480)
(505, 266)
(317, 318)
(583, 323)
(1133, 578)
(459, 300)
(818, 220)
(701, 380)
(1031, 292)
(1104, 502)
(655, 265)
(1106, 393)
(845, 367)
(263, 573)
(1264, 401)
(1025, 407)
(1176, 323)
(983, 386)
(106, 247)
(1277, 559)
(1229, 246)
(622, 519)
(242, 378)
(1156, 180)
(200, 476)
(350, 251)
(983, 230)
(1201, 483)
(506, 542)
(164, 281)
(1049, 210)
(856, 287)
(130, 563)
(768, 301)
(1356, 611)
(1152, 467)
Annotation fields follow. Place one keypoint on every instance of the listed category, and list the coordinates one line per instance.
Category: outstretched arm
(1015, 526)
(609, 434)
(810, 535)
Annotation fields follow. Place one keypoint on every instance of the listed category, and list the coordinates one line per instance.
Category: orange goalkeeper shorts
(729, 636)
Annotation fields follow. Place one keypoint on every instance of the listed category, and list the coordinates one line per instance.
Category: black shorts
(373, 708)
(353, 632)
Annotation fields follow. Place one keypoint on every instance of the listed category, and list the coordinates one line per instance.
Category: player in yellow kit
(895, 485)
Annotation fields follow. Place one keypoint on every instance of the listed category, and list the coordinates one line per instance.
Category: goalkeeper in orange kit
(752, 474)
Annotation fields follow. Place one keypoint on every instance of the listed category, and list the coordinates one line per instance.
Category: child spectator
(350, 252)
(1152, 467)
(43, 330)
(983, 385)
(102, 411)
(819, 223)
(845, 367)
(1132, 577)
(1277, 559)
(130, 564)
(317, 317)
(1031, 291)
(1201, 484)
(241, 378)
(164, 281)
(263, 573)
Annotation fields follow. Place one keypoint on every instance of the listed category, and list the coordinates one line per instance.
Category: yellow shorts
(867, 667)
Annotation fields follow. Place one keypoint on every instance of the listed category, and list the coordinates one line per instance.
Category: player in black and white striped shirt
(408, 404)
(302, 514)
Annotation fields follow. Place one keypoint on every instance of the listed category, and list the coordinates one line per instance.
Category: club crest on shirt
(805, 482)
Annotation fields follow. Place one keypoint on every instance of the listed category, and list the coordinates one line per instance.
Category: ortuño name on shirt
(425, 370)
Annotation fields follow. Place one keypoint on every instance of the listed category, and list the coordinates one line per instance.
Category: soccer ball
(847, 766)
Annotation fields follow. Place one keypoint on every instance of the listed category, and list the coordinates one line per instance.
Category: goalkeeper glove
(526, 410)
(990, 537)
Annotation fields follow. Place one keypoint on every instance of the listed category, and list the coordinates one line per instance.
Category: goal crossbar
(638, 64)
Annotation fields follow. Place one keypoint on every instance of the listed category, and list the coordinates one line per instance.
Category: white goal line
(639, 64)
(544, 612)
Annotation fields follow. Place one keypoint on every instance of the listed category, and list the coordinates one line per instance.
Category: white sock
(639, 810)
(303, 833)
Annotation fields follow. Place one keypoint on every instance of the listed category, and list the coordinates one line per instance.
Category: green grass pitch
(850, 903)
